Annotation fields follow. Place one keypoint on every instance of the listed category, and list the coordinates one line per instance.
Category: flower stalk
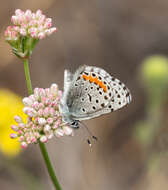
(42, 145)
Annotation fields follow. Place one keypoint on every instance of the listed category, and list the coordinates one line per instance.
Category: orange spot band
(96, 81)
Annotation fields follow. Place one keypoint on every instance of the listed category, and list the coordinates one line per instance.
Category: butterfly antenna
(89, 132)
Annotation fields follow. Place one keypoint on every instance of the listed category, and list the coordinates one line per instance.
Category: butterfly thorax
(66, 116)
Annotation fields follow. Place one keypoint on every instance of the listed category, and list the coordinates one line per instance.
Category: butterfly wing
(93, 92)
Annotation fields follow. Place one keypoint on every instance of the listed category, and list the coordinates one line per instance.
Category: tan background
(115, 35)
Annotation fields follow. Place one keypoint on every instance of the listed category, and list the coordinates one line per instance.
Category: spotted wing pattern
(93, 92)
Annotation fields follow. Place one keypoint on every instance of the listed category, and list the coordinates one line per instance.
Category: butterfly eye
(75, 123)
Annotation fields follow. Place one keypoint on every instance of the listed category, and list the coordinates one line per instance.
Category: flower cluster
(31, 24)
(44, 119)
(27, 29)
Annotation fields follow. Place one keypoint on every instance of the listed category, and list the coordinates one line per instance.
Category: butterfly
(89, 93)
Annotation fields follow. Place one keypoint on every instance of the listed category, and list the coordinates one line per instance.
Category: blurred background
(129, 39)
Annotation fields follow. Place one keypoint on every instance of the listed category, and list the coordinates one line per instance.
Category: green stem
(27, 75)
(49, 166)
(42, 145)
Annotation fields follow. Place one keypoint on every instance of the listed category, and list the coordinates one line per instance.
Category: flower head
(27, 29)
(44, 120)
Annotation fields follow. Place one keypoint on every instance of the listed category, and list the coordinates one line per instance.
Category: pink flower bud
(47, 128)
(67, 130)
(14, 19)
(26, 109)
(52, 112)
(43, 139)
(38, 13)
(19, 12)
(54, 89)
(50, 120)
(59, 133)
(18, 119)
(14, 127)
(16, 28)
(33, 139)
(23, 32)
(40, 112)
(21, 138)
(41, 121)
(13, 135)
(31, 112)
(46, 112)
(48, 23)
(50, 135)
(20, 132)
(41, 35)
(50, 31)
(35, 105)
(55, 126)
(24, 145)
(28, 15)
(58, 122)
(21, 125)
(28, 139)
(27, 101)
(32, 98)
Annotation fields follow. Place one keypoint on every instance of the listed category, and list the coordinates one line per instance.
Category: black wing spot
(110, 94)
(100, 93)
(82, 99)
(109, 106)
(78, 78)
(86, 89)
(112, 100)
(97, 101)
(91, 87)
(90, 98)
(76, 84)
(94, 107)
(83, 109)
(93, 74)
(127, 94)
(108, 87)
(112, 109)
(102, 105)
(86, 73)
(113, 79)
(124, 87)
(120, 83)
(119, 103)
(105, 97)
(98, 88)
(100, 78)
(119, 96)
(105, 82)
